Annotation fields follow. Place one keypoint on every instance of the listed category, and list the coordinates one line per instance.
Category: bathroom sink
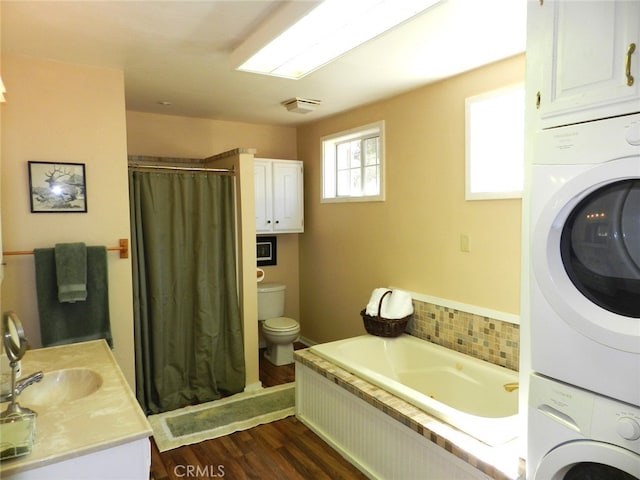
(61, 386)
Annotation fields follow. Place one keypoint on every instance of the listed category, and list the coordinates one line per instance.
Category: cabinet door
(287, 197)
(263, 193)
(588, 65)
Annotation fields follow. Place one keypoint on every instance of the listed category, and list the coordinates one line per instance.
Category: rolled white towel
(374, 301)
(397, 305)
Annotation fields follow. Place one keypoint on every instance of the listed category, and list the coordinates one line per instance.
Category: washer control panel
(592, 415)
(616, 422)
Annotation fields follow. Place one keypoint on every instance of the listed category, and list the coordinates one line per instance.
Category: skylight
(331, 29)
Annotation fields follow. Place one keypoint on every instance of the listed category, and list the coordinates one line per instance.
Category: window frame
(328, 145)
(469, 102)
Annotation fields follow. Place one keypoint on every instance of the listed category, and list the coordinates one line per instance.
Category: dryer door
(600, 247)
(583, 459)
(586, 253)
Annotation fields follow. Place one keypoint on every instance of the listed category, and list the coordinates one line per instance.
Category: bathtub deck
(502, 463)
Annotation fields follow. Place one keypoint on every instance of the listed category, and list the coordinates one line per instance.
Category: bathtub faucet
(510, 387)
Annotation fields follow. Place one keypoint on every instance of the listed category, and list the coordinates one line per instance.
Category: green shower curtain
(188, 331)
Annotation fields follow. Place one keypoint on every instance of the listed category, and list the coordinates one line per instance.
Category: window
(495, 144)
(352, 165)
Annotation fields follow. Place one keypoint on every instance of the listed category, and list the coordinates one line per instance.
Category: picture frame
(267, 251)
(56, 187)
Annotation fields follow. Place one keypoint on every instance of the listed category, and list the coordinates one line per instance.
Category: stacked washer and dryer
(584, 394)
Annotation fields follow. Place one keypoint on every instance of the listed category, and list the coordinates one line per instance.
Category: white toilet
(279, 332)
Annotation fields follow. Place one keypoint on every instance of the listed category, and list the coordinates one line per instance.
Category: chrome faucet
(21, 385)
(14, 408)
(30, 380)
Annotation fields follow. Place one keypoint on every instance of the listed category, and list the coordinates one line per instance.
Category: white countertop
(109, 417)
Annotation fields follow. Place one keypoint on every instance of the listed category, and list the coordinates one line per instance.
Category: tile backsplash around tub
(492, 340)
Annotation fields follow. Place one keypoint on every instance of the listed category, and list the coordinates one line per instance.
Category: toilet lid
(280, 323)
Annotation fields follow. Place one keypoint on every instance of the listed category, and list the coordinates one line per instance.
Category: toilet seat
(280, 324)
(280, 333)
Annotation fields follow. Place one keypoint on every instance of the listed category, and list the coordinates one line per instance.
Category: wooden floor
(285, 449)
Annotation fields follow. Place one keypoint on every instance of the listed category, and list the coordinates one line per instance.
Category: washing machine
(576, 434)
(585, 256)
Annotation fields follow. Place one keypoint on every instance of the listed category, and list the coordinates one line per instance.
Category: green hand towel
(71, 272)
(62, 323)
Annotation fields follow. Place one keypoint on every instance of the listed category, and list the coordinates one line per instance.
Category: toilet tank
(270, 300)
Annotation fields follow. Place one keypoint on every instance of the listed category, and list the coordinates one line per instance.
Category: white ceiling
(178, 52)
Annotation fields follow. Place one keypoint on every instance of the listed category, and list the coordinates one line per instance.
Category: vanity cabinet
(590, 59)
(279, 196)
(129, 461)
(100, 434)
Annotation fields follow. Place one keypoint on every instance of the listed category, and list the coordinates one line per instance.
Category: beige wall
(412, 240)
(65, 113)
(173, 136)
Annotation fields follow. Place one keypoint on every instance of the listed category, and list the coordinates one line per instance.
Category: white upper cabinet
(279, 196)
(264, 197)
(590, 59)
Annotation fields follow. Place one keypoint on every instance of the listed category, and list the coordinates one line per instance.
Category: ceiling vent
(301, 105)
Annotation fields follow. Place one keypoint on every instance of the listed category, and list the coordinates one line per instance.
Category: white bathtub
(461, 390)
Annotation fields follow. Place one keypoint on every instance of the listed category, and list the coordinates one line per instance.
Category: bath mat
(242, 411)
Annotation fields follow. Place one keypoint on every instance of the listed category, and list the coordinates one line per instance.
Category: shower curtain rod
(186, 169)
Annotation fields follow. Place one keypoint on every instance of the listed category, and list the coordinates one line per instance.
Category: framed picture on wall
(57, 187)
(267, 251)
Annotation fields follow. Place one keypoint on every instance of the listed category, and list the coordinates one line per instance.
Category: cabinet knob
(268, 221)
(277, 221)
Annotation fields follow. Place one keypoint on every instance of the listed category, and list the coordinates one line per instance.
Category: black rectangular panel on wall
(267, 251)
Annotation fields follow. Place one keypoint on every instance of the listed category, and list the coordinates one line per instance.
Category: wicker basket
(384, 327)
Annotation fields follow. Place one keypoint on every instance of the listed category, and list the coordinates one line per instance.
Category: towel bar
(123, 248)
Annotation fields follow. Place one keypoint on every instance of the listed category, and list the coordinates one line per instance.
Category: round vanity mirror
(14, 341)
